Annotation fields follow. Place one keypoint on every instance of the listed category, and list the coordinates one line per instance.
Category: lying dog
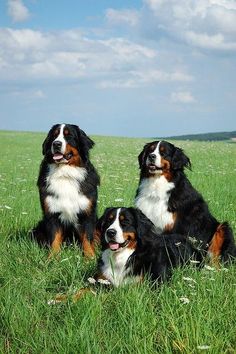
(67, 185)
(131, 248)
(167, 198)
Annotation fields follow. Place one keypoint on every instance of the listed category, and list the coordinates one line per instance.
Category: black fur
(193, 217)
(84, 225)
(154, 254)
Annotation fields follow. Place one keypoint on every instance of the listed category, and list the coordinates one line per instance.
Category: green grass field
(193, 313)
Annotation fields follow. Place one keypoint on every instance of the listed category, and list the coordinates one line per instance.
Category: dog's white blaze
(158, 156)
(61, 138)
(152, 200)
(114, 266)
(116, 226)
(63, 182)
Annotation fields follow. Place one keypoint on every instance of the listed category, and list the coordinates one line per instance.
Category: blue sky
(126, 68)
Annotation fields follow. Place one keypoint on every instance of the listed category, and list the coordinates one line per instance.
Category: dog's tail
(222, 243)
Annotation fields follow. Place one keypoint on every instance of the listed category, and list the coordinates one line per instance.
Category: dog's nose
(57, 144)
(111, 233)
(152, 157)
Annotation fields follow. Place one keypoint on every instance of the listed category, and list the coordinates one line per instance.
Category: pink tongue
(57, 157)
(114, 246)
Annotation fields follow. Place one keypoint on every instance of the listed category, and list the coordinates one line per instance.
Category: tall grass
(194, 312)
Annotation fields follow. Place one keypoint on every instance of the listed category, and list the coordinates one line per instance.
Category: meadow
(193, 313)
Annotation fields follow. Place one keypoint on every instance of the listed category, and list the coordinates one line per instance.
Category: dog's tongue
(114, 246)
(57, 156)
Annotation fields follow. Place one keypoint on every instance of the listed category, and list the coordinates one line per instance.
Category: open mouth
(154, 168)
(115, 246)
(59, 157)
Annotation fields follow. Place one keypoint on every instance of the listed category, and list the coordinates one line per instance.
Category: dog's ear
(84, 143)
(143, 225)
(89, 143)
(142, 155)
(44, 146)
(141, 158)
(100, 225)
(180, 160)
(46, 141)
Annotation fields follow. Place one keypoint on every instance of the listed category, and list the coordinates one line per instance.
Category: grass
(193, 313)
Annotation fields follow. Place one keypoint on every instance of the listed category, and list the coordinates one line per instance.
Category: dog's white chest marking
(66, 198)
(152, 200)
(114, 266)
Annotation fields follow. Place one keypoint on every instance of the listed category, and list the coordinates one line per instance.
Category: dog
(167, 198)
(132, 248)
(67, 186)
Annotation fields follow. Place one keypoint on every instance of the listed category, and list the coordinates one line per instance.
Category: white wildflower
(203, 347)
(191, 286)
(189, 279)
(91, 280)
(54, 302)
(207, 267)
(7, 207)
(224, 269)
(184, 300)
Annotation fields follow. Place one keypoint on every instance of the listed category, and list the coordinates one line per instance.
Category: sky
(141, 68)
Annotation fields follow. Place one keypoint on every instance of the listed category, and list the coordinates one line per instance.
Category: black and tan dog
(167, 198)
(67, 185)
(132, 248)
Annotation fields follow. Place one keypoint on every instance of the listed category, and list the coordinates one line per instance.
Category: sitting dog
(132, 248)
(167, 198)
(67, 185)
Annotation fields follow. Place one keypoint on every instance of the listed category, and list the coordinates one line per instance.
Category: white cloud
(208, 24)
(68, 55)
(39, 94)
(27, 94)
(140, 78)
(162, 76)
(203, 40)
(18, 11)
(32, 54)
(126, 16)
(182, 97)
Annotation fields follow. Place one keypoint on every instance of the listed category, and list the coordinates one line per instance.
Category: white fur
(116, 226)
(61, 138)
(114, 266)
(114, 262)
(158, 156)
(63, 182)
(153, 198)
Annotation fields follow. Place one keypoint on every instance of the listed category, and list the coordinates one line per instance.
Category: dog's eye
(124, 221)
(56, 133)
(67, 132)
(162, 151)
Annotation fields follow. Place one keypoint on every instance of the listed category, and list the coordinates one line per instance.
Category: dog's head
(162, 157)
(123, 227)
(67, 144)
